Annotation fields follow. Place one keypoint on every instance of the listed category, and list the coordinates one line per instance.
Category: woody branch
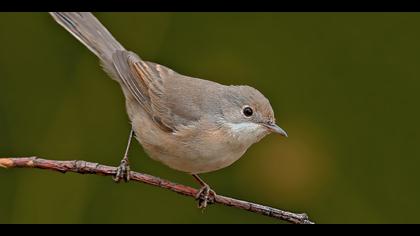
(83, 167)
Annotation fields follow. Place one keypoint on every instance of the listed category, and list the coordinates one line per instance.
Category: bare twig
(83, 167)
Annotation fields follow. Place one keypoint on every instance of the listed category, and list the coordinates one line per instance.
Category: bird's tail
(89, 31)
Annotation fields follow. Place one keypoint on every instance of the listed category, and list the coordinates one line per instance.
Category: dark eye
(248, 111)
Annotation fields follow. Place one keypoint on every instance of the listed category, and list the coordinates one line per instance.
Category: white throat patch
(248, 132)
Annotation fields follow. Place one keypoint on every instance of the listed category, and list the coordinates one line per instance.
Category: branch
(83, 167)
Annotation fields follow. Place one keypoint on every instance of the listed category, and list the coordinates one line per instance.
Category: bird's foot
(123, 171)
(205, 196)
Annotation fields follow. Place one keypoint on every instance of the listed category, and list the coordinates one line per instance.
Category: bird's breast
(199, 148)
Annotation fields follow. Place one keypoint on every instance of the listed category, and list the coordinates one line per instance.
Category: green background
(345, 86)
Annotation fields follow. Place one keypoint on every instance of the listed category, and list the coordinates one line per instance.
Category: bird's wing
(149, 84)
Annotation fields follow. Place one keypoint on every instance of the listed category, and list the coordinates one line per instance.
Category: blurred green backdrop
(345, 86)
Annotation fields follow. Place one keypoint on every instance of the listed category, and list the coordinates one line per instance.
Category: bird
(189, 124)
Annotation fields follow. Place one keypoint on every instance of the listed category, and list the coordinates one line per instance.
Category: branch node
(79, 166)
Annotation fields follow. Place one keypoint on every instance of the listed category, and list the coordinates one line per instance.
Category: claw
(205, 196)
(123, 172)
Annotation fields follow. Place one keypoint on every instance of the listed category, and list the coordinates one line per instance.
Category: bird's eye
(247, 111)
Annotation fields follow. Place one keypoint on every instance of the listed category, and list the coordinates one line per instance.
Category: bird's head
(248, 114)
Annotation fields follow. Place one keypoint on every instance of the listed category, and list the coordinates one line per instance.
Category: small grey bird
(189, 124)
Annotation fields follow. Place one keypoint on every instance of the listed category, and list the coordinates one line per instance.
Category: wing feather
(145, 81)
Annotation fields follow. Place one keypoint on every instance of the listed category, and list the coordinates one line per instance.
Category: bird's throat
(246, 133)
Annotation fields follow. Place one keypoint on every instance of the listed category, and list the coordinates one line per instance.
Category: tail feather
(89, 31)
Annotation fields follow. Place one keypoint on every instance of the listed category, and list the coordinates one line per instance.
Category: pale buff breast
(195, 150)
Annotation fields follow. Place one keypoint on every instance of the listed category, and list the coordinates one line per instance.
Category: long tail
(89, 31)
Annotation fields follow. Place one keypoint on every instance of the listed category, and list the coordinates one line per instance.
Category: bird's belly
(214, 157)
(200, 154)
(191, 150)
(194, 159)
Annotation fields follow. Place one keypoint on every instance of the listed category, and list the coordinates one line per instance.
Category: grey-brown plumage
(189, 124)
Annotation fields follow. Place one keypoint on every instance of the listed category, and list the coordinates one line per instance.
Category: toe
(123, 173)
(205, 196)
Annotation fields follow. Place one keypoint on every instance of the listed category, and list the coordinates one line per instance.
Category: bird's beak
(276, 129)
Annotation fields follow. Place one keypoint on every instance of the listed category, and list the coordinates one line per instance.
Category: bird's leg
(205, 194)
(123, 171)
